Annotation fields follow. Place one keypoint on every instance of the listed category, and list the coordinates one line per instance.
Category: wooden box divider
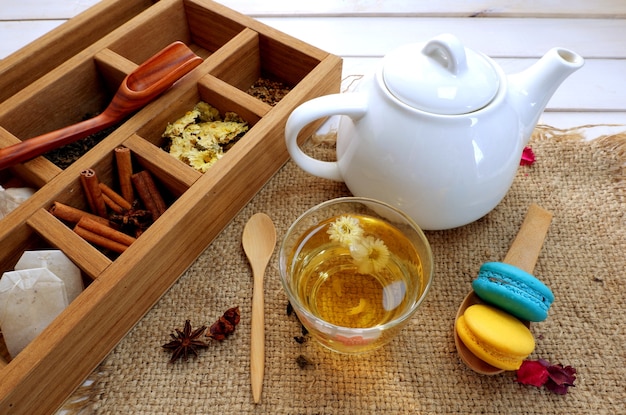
(90, 260)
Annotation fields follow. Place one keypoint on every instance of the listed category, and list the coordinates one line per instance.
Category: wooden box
(236, 51)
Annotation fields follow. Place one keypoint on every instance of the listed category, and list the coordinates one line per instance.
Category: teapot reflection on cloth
(437, 131)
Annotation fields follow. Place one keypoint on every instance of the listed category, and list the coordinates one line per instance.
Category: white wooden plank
(502, 37)
(600, 85)
(590, 124)
(46, 9)
(15, 35)
(458, 8)
(607, 122)
(42, 9)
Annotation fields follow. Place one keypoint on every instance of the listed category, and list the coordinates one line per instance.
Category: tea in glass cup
(355, 270)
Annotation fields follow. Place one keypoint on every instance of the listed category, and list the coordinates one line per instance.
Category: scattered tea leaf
(303, 362)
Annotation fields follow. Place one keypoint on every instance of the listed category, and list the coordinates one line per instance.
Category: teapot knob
(447, 50)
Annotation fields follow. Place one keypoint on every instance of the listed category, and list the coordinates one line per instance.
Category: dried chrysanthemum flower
(177, 127)
(202, 160)
(180, 147)
(200, 137)
(345, 230)
(362, 306)
(370, 254)
(224, 131)
(207, 112)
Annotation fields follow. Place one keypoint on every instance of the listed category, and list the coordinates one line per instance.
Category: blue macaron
(513, 290)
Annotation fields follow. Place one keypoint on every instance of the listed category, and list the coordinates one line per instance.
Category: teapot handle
(354, 105)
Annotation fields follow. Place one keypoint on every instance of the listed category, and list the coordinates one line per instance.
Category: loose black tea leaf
(303, 362)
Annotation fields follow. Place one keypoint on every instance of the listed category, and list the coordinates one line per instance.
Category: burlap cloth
(583, 261)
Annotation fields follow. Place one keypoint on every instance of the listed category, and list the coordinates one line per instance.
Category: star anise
(185, 342)
(133, 221)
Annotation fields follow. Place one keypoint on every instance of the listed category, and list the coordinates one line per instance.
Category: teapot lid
(440, 76)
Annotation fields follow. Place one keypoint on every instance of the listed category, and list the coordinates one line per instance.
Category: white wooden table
(513, 32)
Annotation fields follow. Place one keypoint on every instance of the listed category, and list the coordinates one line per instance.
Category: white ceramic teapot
(438, 130)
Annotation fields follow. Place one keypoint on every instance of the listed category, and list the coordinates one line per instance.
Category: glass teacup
(355, 270)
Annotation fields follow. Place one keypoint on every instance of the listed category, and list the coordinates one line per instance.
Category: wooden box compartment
(121, 288)
(55, 47)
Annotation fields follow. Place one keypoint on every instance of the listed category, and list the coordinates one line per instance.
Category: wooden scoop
(259, 240)
(140, 87)
(523, 253)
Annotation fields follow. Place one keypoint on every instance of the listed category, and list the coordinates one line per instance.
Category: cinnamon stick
(116, 198)
(124, 172)
(102, 235)
(149, 194)
(112, 205)
(106, 231)
(90, 182)
(72, 214)
(99, 240)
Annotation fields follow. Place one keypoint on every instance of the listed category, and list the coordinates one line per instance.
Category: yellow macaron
(495, 336)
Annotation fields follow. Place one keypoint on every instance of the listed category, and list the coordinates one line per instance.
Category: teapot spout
(531, 89)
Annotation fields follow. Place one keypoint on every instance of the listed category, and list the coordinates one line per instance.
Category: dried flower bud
(225, 325)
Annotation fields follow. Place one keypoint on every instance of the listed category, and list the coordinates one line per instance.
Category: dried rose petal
(532, 372)
(558, 389)
(555, 378)
(560, 378)
(544, 362)
(528, 157)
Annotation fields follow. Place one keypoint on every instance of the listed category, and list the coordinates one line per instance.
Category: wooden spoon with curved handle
(523, 254)
(259, 240)
(145, 83)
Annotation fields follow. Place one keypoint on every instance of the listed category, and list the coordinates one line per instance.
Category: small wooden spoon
(259, 240)
(523, 253)
(145, 83)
